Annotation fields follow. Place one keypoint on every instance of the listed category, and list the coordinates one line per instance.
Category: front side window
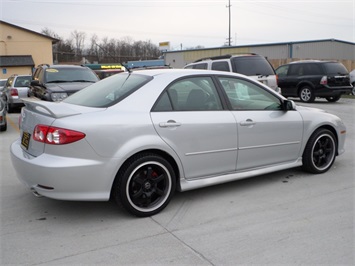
(108, 91)
(190, 94)
(245, 95)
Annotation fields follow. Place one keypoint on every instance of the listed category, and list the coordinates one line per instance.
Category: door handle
(170, 123)
(247, 122)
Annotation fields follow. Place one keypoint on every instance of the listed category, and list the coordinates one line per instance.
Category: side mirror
(288, 105)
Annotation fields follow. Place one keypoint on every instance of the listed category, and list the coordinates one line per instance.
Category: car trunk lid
(38, 112)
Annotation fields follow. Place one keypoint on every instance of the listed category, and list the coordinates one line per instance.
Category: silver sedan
(138, 137)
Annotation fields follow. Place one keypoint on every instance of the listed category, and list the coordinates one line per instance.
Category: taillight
(13, 92)
(277, 79)
(55, 135)
(324, 80)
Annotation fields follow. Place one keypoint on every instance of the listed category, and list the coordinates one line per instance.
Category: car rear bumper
(327, 91)
(63, 178)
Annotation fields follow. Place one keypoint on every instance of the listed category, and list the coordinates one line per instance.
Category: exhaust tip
(35, 193)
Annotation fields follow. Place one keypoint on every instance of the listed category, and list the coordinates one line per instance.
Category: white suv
(253, 65)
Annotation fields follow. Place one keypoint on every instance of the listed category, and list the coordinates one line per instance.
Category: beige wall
(15, 41)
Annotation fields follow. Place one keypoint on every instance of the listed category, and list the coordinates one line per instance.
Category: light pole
(229, 32)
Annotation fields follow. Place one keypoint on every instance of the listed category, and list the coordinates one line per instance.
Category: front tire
(306, 94)
(320, 152)
(145, 184)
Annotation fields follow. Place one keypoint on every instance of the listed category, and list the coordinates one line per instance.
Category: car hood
(67, 87)
(312, 109)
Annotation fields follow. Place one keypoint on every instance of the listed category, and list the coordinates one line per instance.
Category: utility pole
(229, 32)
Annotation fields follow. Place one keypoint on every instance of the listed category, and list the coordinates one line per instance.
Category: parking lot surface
(289, 217)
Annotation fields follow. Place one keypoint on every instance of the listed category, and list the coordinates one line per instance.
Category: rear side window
(252, 66)
(198, 66)
(190, 94)
(220, 66)
(334, 68)
(108, 91)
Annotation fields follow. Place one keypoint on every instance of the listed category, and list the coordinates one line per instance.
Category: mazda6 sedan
(138, 137)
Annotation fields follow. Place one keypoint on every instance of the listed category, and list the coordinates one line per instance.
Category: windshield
(108, 91)
(252, 66)
(57, 75)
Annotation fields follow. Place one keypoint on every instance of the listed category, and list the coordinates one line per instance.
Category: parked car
(2, 84)
(3, 121)
(57, 82)
(352, 81)
(252, 65)
(137, 137)
(309, 79)
(16, 88)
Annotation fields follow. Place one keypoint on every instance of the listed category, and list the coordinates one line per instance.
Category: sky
(188, 23)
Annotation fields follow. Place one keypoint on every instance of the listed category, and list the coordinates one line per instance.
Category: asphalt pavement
(288, 217)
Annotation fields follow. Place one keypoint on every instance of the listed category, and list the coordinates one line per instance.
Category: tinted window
(191, 94)
(252, 66)
(199, 66)
(313, 69)
(244, 95)
(221, 66)
(334, 68)
(282, 71)
(109, 91)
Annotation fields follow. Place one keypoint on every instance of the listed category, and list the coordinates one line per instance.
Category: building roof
(264, 44)
(54, 40)
(16, 60)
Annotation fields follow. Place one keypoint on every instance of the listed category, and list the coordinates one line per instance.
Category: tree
(79, 39)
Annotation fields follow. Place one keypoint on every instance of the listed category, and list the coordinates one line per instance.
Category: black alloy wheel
(320, 151)
(145, 185)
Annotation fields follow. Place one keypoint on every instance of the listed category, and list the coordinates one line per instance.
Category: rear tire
(144, 185)
(306, 94)
(320, 151)
(333, 99)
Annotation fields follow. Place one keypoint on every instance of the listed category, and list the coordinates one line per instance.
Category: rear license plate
(25, 140)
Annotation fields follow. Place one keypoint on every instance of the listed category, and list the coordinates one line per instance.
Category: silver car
(137, 137)
(15, 89)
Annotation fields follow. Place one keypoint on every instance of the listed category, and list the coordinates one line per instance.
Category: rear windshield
(23, 81)
(334, 68)
(252, 66)
(108, 91)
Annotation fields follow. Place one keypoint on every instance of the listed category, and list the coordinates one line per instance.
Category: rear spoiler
(52, 109)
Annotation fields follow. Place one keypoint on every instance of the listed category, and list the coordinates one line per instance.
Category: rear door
(190, 118)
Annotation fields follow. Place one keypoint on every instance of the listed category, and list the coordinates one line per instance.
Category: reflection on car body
(137, 137)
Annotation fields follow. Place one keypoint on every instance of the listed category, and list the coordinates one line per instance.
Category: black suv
(57, 82)
(311, 78)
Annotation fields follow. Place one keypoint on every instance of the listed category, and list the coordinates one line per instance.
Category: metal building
(276, 53)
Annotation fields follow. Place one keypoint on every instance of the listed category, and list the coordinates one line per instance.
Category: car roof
(176, 72)
(312, 61)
